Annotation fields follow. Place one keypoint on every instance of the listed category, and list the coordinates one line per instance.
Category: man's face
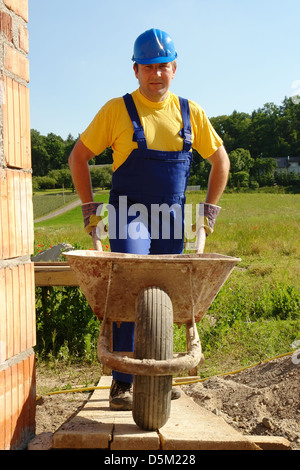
(155, 80)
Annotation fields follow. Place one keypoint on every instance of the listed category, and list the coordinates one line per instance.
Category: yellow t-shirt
(162, 122)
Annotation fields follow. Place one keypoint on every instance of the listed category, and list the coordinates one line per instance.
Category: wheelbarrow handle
(96, 242)
(201, 239)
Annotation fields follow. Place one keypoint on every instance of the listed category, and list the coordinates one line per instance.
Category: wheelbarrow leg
(192, 336)
(105, 369)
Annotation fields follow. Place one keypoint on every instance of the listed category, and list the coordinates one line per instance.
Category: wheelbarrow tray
(112, 281)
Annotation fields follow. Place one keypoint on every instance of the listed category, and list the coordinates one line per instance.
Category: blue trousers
(128, 241)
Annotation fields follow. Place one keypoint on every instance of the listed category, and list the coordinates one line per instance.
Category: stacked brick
(17, 301)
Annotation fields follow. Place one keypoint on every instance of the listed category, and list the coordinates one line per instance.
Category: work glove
(207, 217)
(92, 219)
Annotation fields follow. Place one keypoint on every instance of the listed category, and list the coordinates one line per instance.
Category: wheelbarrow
(155, 292)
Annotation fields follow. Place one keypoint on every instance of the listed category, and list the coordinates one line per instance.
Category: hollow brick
(18, 6)
(16, 63)
(24, 39)
(6, 25)
(16, 124)
(17, 404)
(17, 314)
(16, 214)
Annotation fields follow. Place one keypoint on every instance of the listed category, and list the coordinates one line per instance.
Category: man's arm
(78, 163)
(220, 166)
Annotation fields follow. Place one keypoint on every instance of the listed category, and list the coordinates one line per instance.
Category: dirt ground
(263, 400)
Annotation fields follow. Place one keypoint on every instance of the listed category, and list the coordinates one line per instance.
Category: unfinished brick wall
(17, 296)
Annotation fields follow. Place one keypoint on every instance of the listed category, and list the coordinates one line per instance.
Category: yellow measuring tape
(183, 380)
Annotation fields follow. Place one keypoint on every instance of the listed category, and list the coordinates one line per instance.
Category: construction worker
(151, 132)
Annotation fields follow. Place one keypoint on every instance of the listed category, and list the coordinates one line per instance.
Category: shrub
(65, 323)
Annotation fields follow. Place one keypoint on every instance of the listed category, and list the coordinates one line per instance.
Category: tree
(240, 179)
(54, 145)
(233, 130)
(241, 160)
(39, 154)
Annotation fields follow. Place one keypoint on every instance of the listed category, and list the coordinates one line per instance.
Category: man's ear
(174, 70)
(135, 68)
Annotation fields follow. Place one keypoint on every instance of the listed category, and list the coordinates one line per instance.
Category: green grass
(45, 202)
(65, 228)
(256, 315)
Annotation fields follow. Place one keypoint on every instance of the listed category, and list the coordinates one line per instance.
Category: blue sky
(232, 54)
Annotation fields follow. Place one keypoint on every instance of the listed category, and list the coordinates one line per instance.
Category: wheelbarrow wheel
(153, 340)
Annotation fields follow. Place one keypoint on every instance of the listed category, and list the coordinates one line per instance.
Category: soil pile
(263, 400)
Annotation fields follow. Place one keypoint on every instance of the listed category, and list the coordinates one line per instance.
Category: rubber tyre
(153, 340)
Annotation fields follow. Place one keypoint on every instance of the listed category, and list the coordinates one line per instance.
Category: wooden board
(190, 427)
(54, 274)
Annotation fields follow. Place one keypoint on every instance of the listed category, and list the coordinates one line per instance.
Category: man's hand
(93, 222)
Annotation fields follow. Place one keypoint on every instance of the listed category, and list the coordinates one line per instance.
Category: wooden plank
(97, 427)
(271, 442)
(190, 427)
(54, 274)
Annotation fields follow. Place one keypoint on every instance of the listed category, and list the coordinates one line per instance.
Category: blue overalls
(147, 181)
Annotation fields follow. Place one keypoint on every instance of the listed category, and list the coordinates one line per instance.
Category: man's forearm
(78, 163)
(218, 176)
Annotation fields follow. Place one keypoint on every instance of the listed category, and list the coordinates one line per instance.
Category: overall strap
(186, 132)
(139, 134)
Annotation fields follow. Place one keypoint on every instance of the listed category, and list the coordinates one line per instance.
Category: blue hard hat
(154, 47)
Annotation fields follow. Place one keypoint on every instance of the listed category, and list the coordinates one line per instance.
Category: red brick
(6, 25)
